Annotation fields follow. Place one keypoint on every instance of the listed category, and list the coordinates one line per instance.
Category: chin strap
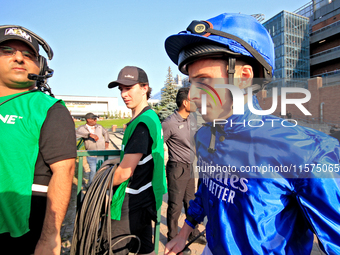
(211, 148)
(231, 74)
(212, 144)
(231, 70)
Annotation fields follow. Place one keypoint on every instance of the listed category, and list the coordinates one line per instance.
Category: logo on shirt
(222, 181)
(9, 119)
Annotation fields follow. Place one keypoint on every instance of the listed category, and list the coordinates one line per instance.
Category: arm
(136, 147)
(178, 243)
(58, 197)
(126, 168)
(166, 136)
(319, 199)
(106, 137)
(82, 132)
(58, 149)
(322, 196)
(166, 130)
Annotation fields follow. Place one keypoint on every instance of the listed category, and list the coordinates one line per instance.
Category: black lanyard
(33, 90)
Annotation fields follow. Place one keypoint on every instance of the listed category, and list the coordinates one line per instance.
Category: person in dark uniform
(178, 130)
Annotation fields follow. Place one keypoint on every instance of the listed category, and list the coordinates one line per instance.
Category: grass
(106, 123)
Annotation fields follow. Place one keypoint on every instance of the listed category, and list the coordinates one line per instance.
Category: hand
(94, 136)
(48, 247)
(175, 246)
(106, 146)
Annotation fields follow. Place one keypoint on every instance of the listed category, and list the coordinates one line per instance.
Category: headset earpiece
(43, 65)
(44, 71)
(41, 41)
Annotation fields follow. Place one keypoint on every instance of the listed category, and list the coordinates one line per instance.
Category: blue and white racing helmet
(229, 35)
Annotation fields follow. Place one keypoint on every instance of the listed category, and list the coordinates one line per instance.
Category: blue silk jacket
(267, 186)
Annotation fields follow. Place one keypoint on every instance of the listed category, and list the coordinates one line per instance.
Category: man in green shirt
(37, 149)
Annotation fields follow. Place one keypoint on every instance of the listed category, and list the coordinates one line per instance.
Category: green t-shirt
(21, 120)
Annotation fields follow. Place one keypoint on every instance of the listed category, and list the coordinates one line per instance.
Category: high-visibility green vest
(159, 186)
(21, 120)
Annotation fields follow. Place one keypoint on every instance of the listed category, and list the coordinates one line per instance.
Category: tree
(169, 91)
(167, 111)
(167, 104)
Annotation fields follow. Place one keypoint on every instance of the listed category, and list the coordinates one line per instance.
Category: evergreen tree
(169, 91)
(167, 111)
(167, 104)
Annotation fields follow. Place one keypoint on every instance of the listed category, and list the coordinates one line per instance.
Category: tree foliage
(167, 111)
(169, 91)
(167, 104)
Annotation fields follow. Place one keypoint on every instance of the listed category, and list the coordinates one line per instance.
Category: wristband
(189, 223)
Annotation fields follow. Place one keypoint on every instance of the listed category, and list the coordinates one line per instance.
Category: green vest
(21, 120)
(159, 187)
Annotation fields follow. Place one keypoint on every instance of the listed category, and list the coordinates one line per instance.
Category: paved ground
(67, 228)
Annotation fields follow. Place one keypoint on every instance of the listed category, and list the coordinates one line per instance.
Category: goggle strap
(211, 148)
(204, 28)
(247, 46)
(256, 88)
(231, 70)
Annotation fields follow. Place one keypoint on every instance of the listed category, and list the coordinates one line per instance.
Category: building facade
(325, 43)
(289, 32)
(101, 106)
(323, 30)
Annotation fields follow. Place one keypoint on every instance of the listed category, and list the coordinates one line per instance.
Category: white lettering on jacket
(9, 119)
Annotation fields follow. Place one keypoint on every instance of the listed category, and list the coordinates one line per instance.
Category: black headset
(45, 72)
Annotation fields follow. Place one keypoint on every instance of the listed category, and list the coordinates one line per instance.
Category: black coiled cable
(92, 219)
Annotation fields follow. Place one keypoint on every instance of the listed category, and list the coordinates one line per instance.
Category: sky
(93, 40)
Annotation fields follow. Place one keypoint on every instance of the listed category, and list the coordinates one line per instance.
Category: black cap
(90, 115)
(18, 33)
(130, 75)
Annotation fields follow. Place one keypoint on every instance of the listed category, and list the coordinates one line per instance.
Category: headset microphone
(33, 40)
(41, 80)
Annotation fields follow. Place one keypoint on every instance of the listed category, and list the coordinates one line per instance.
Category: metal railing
(325, 52)
(335, 24)
(325, 74)
(106, 154)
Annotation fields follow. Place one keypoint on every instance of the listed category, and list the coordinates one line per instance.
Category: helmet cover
(245, 37)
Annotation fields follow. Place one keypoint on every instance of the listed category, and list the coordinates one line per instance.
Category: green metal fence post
(80, 179)
(157, 229)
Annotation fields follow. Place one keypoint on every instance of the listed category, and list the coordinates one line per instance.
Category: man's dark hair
(182, 95)
(148, 93)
